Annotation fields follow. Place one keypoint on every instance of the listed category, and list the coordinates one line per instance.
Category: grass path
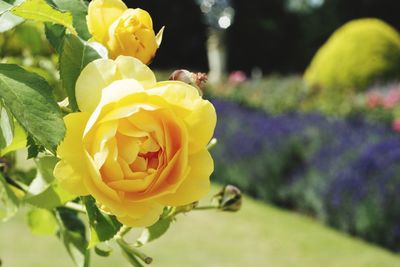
(259, 235)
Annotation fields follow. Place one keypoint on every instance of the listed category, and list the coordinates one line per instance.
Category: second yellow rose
(124, 31)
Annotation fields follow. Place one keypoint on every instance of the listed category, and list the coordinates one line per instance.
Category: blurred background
(307, 94)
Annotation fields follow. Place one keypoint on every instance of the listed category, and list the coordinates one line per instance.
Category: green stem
(17, 184)
(66, 110)
(206, 208)
(133, 251)
(123, 231)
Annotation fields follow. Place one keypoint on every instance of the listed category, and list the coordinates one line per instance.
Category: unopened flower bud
(195, 79)
(229, 198)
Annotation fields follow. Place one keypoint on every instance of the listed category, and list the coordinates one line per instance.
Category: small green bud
(229, 198)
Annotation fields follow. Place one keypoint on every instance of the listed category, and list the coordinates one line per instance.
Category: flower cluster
(386, 99)
(348, 178)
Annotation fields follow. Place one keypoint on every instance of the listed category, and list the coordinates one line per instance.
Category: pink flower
(237, 77)
(392, 99)
(374, 99)
(396, 125)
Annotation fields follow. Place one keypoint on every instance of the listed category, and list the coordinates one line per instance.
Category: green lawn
(259, 235)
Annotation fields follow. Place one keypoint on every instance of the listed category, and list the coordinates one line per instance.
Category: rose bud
(195, 79)
(123, 31)
(229, 198)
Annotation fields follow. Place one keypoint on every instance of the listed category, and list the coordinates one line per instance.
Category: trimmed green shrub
(358, 54)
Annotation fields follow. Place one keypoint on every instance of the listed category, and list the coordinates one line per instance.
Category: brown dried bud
(229, 198)
(195, 79)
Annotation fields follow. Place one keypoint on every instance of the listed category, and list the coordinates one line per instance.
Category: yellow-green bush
(358, 54)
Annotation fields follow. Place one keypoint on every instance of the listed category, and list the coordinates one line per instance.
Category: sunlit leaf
(19, 140)
(7, 19)
(155, 231)
(42, 222)
(40, 10)
(78, 9)
(44, 191)
(6, 128)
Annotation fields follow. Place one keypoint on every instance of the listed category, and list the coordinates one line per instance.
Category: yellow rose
(123, 31)
(137, 145)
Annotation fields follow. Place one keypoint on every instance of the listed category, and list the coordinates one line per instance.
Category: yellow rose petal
(100, 73)
(111, 94)
(96, 76)
(128, 148)
(71, 170)
(70, 180)
(143, 16)
(200, 121)
(142, 214)
(201, 124)
(132, 34)
(101, 14)
(132, 68)
(197, 183)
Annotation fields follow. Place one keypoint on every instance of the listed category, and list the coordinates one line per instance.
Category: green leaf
(155, 231)
(75, 55)
(29, 98)
(103, 227)
(73, 235)
(42, 222)
(29, 36)
(9, 202)
(19, 140)
(7, 19)
(55, 35)
(103, 252)
(33, 148)
(6, 128)
(40, 10)
(44, 191)
(78, 9)
(45, 167)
